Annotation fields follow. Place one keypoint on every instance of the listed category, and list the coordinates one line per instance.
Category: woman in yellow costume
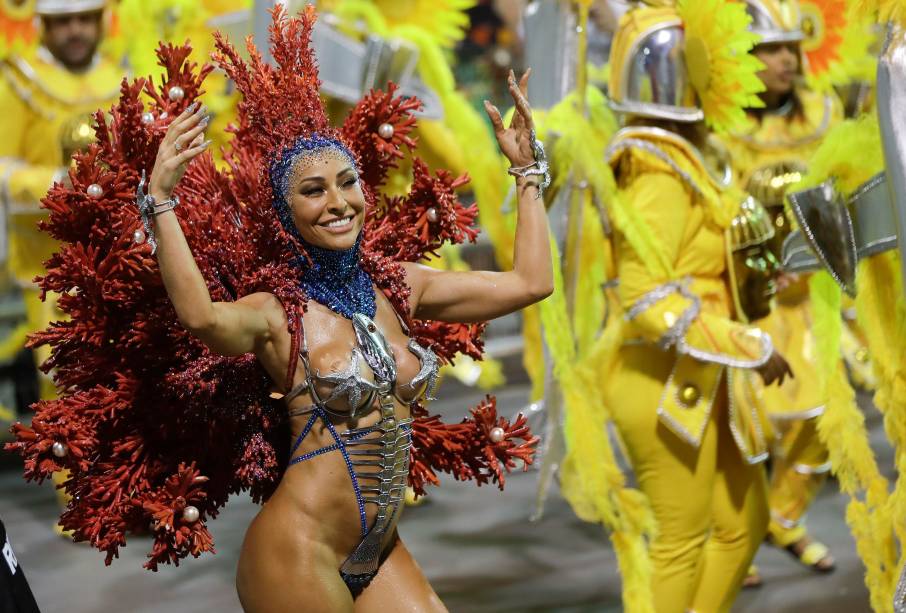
(696, 455)
(768, 157)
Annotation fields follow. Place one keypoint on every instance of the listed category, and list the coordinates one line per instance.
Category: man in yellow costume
(769, 157)
(47, 96)
(696, 455)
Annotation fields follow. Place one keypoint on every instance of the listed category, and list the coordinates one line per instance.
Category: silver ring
(177, 146)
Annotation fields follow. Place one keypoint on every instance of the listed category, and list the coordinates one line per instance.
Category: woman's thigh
(399, 586)
(279, 571)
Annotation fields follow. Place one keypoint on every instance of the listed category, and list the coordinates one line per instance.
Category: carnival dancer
(203, 376)
(682, 346)
(771, 155)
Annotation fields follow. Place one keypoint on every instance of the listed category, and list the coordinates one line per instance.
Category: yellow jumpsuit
(45, 110)
(695, 453)
(800, 460)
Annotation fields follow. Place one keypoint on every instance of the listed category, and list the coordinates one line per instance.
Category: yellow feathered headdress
(713, 64)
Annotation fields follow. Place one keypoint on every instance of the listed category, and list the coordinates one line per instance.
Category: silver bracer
(655, 81)
(836, 232)
(892, 119)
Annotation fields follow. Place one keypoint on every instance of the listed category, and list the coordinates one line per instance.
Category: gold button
(862, 356)
(689, 395)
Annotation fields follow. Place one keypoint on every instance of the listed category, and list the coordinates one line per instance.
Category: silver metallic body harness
(382, 449)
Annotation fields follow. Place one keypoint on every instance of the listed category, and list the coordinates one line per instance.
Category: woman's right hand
(183, 142)
(775, 369)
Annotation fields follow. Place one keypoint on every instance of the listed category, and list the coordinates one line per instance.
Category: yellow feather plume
(834, 158)
(883, 10)
(842, 429)
(872, 512)
(720, 66)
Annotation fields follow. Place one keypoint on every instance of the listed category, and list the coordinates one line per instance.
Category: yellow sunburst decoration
(17, 29)
(837, 44)
(720, 66)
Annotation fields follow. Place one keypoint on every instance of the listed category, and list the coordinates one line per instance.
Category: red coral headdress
(155, 430)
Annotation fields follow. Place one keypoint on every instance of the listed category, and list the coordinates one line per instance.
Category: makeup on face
(326, 200)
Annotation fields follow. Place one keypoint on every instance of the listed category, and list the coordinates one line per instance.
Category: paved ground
(476, 545)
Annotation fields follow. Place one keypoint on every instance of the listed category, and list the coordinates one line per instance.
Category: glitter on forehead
(292, 162)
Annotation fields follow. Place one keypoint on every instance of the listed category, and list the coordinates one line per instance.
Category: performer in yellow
(47, 96)
(696, 455)
(768, 157)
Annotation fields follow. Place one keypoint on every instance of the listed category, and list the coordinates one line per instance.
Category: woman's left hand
(516, 141)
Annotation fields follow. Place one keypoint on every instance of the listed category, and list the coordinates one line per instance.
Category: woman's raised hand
(183, 142)
(516, 141)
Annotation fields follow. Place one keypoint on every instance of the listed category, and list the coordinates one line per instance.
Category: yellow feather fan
(872, 513)
(590, 477)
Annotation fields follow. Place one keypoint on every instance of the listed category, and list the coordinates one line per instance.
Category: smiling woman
(326, 200)
(320, 202)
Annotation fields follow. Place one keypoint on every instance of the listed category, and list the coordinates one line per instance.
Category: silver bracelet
(148, 208)
(539, 167)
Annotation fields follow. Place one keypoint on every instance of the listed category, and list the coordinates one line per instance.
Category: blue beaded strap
(338, 445)
(305, 431)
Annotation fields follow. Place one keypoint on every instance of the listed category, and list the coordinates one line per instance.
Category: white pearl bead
(497, 434)
(583, 184)
(176, 93)
(95, 191)
(147, 117)
(190, 514)
(138, 237)
(385, 131)
(432, 215)
(163, 115)
(59, 449)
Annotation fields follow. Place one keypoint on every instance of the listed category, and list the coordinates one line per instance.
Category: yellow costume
(767, 158)
(671, 405)
(680, 347)
(48, 113)
(49, 117)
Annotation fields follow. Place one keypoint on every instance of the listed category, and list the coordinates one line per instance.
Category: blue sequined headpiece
(333, 278)
(281, 172)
